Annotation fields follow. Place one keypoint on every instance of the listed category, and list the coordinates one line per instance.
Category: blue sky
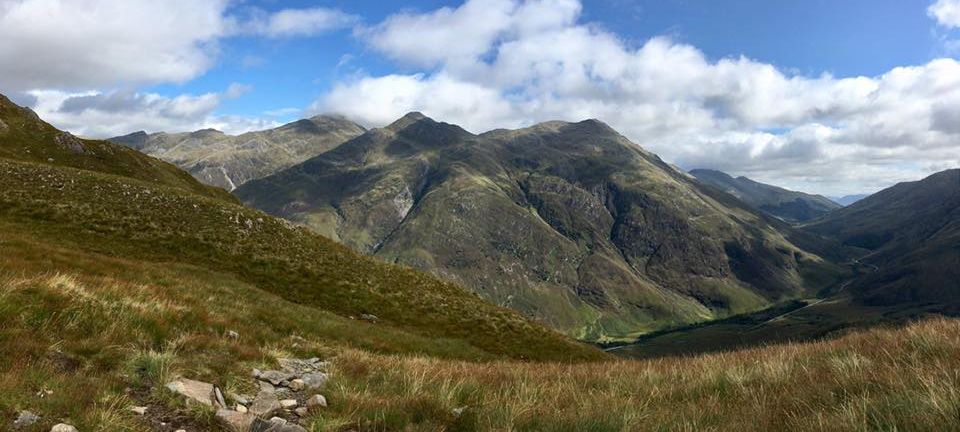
(844, 38)
(834, 97)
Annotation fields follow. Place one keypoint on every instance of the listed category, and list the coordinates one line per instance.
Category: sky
(823, 96)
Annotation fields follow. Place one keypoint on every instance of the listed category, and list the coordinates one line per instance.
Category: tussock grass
(880, 379)
(88, 327)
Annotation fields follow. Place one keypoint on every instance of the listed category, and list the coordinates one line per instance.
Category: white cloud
(448, 35)
(946, 12)
(102, 115)
(81, 44)
(89, 43)
(507, 63)
(298, 22)
(72, 52)
(236, 90)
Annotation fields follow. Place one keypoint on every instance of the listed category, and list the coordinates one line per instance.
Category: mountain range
(791, 206)
(228, 161)
(99, 201)
(569, 223)
(911, 235)
(127, 284)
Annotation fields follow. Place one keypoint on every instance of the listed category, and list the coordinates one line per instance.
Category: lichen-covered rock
(316, 401)
(266, 403)
(235, 420)
(25, 419)
(314, 381)
(197, 391)
(276, 377)
(70, 142)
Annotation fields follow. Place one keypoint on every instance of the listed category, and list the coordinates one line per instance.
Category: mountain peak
(208, 132)
(407, 120)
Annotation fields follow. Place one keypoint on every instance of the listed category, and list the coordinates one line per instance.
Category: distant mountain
(785, 204)
(911, 235)
(99, 208)
(569, 223)
(229, 161)
(848, 199)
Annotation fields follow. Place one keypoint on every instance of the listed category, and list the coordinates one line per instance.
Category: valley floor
(84, 337)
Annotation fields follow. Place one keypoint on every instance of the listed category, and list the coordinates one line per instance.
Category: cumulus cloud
(946, 12)
(90, 43)
(511, 63)
(64, 57)
(106, 114)
(80, 44)
(297, 22)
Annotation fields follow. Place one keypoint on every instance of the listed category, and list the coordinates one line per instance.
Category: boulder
(219, 397)
(198, 391)
(296, 384)
(238, 398)
(288, 403)
(314, 381)
(275, 424)
(265, 386)
(70, 142)
(265, 404)
(63, 427)
(25, 419)
(302, 411)
(275, 377)
(317, 401)
(235, 420)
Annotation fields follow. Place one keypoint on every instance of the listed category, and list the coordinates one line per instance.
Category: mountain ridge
(910, 231)
(228, 161)
(476, 209)
(791, 206)
(120, 214)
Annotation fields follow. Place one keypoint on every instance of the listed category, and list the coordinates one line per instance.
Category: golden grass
(87, 338)
(883, 379)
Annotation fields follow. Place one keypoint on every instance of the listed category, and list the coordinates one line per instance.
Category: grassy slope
(26, 137)
(88, 327)
(123, 217)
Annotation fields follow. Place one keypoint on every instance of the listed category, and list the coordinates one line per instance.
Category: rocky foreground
(285, 396)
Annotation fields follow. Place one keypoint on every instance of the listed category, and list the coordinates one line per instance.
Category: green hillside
(569, 223)
(910, 233)
(25, 137)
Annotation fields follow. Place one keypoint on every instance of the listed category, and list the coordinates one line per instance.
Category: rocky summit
(569, 223)
(228, 161)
